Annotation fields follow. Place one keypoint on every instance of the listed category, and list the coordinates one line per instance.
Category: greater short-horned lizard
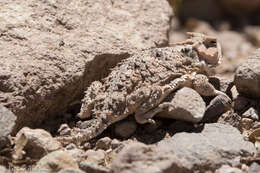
(139, 85)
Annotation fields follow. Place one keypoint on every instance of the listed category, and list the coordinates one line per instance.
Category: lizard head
(207, 47)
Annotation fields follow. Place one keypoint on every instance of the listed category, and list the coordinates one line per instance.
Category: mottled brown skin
(139, 85)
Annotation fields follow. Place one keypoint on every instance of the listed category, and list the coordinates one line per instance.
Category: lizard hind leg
(89, 100)
(204, 88)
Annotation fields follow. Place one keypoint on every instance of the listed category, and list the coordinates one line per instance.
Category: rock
(103, 143)
(176, 33)
(87, 146)
(245, 126)
(201, 26)
(93, 168)
(64, 129)
(125, 129)
(188, 106)
(215, 141)
(238, 47)
(234, 93)
(251, 113)
(247, 77)
(56, 161)
(185, 152)
(96, 157)
(219, 105)
(7, 123)
(77, 154)
(223, 84)
(70, 170)
(240, 7)
(152, 127)
(230, 118)
(241, 104)
(253, 34)
(228, 169)
(52, 50)
(254, 168)
(3, 170)
(116, 144)
(71, 146)
(256, 125)
(34, 143)
(187, 9)
(246, 123)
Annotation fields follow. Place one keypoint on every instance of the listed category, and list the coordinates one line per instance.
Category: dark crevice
(41, 111)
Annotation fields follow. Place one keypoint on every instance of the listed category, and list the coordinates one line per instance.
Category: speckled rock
(247, 77)
(51, 50)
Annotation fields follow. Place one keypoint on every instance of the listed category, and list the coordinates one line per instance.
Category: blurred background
(236, 23)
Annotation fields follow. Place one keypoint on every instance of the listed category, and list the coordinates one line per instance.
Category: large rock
(247, 77)
(7, 123)
(186, 152)
(51, 50)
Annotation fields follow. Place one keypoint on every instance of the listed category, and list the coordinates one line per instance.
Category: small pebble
(87, 146)
(71, 146)
(64, 129)
(251, 113)
(103, 143)
(97, 157)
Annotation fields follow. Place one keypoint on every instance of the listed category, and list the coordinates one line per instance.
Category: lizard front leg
(148, 108)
